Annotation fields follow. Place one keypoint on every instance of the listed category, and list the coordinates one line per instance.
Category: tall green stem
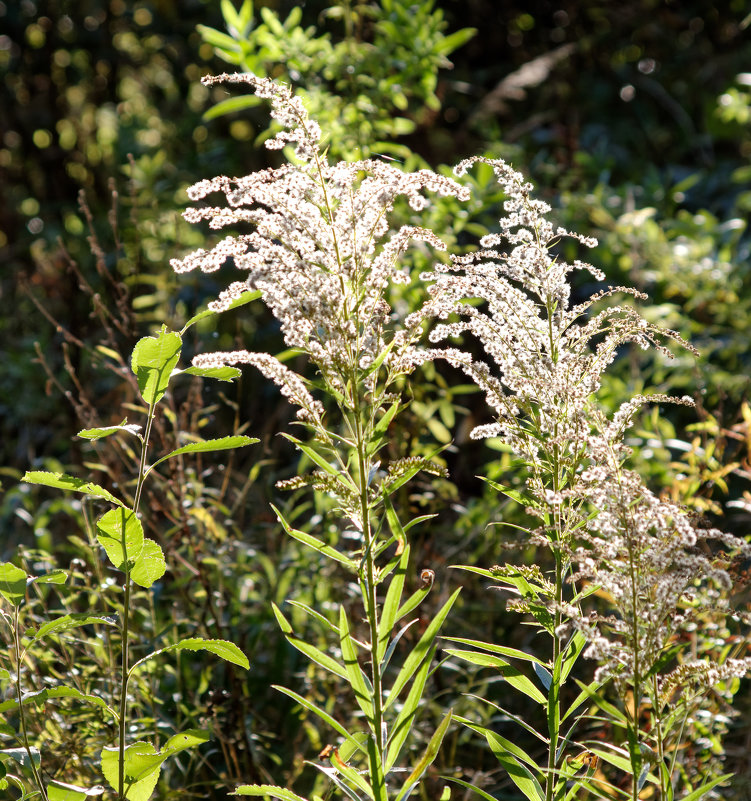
(370, 603)
(21, 711)
(125, 656)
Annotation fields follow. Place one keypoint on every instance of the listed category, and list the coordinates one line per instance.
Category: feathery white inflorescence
(320, 248)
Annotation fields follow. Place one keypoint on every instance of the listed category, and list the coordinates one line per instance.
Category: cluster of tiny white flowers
(548, 359)
(320, 250)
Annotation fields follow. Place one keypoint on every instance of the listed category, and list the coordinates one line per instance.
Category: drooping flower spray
(322, 253)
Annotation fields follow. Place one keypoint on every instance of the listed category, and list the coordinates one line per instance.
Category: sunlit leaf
(12, 583)
(150, 565)
(152, 362)
(71, 483)
(121, 536)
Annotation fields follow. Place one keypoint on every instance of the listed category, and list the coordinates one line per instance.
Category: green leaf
(143, 762)
(21, 755)
(315, 543)
(56, 576)
(454, 41)
(245, 297)
(505, 752)
(218, 39)
(405, 719)
(222, 648)
(219, 373)
(152, 362)
(504, 650)
(66, 622)
(421, 650)
(71, 483)
(60, 791)
(208, 445)
(231, 105)
(353, 776)
(12, 583)
(571, 654)
(313, 653)
(316, 457)
(512, 675)
(363, 694)
(705, 788)
(323, 715)
(42, 696)
(121, 536)
(105, 431)
(150, 565)
(261, 790)
(431, 752)
(498, 743)
(392, 601)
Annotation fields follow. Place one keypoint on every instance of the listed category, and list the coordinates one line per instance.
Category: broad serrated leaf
(60, 791)
(21, 755)
(12, 583)
(208, 445)
(150, 565)
(40, 697)
(56, 576)
(225, 373)
(222, 648)
(70, 483)
(143, 762)
(106, 431)
(152, 362)
(66, 622)
(120, 533)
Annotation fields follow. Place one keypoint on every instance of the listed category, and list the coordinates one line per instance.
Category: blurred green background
(633, 119)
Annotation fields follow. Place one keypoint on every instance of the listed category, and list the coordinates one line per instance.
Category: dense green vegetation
(634, 123)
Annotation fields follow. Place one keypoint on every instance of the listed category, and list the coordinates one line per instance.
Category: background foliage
(633, 120)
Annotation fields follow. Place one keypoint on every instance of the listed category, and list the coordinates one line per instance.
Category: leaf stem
(125, 656)
(21, 711)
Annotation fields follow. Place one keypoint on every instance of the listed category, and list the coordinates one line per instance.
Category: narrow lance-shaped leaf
(403, 724)
(323, 715)
(313, 653)
(391, 603)
(431, 752)
(315, 543)
(363, 694)
(421, 649)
